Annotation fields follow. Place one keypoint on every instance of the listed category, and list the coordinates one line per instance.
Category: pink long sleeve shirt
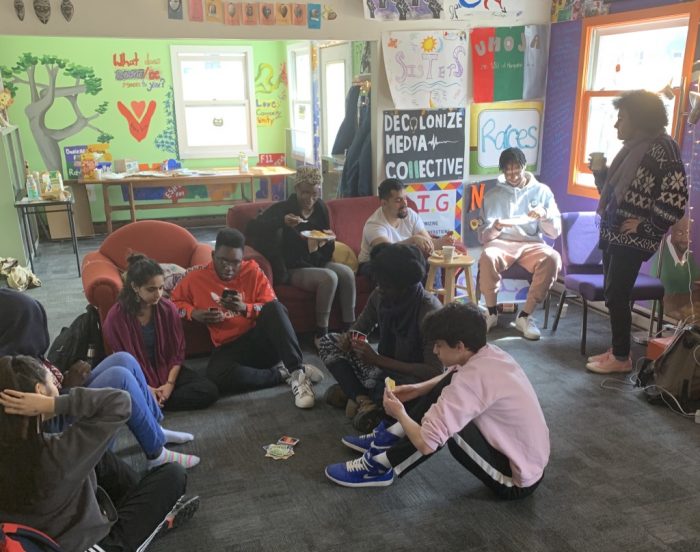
(492, 390)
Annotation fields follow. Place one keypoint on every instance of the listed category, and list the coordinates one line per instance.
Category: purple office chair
(582, 266)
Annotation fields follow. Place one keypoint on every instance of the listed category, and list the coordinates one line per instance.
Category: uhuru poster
(424, 145)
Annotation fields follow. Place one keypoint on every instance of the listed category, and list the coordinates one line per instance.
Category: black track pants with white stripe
(469, 448)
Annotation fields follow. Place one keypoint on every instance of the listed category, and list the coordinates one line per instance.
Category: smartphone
(229, 294)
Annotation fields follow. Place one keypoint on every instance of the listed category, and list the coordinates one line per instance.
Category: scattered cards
(357, 336)
(282, 449)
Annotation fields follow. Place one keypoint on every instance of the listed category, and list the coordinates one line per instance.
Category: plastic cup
(597, 160)
(448, 252)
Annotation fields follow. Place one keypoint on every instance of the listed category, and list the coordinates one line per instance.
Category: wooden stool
(448, 292)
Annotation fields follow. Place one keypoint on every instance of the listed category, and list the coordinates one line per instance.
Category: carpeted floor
(622, 476)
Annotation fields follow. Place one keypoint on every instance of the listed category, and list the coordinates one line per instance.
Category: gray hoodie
(73, 510)
(505, 201)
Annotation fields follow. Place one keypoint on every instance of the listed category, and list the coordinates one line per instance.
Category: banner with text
(426, 69)
(499, 126)
(439, 205)
(424, 145)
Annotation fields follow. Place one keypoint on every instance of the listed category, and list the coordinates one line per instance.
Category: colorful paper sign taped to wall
(439, 205)
(499, 126)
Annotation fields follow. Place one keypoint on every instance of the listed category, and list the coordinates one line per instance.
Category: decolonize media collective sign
(424, 145)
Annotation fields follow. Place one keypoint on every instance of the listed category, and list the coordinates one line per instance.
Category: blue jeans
(122, 371)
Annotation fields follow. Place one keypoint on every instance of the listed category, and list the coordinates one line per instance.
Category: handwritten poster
(439, 205)
(426, 69)
(402, 10)
(424, 145)
(502, 125)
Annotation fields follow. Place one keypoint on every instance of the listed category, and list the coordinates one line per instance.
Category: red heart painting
(139, 123)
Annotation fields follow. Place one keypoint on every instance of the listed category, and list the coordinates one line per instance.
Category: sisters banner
(424, 146)
(426, 69)
(509, 63)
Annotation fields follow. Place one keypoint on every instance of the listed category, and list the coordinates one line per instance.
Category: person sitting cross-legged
(484, 408)
(248, 326)
(396, 306)
(517, 212)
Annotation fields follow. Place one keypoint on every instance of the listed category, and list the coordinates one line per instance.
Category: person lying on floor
(397, 306)
(48, 481)
(147, 325)
(483, 407)
(283, 231)
(250, 329)
(24, 331)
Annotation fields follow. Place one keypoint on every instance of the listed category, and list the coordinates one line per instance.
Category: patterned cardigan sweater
(657, 196)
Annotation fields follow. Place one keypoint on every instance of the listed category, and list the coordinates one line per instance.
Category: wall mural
(79, 81)
(269, 110)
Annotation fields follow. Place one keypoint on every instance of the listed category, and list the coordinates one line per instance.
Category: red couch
(163, 241)
(347, 218)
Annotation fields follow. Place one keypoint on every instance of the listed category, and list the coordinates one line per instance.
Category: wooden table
(458, 261)
(222, 176)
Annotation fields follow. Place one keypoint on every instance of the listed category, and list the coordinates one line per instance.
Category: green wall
(99, 55)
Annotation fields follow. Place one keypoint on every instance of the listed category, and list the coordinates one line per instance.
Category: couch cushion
(240, 215)
(348, 216)
(344, 255)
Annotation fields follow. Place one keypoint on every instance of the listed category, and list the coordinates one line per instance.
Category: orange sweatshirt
(201, 288)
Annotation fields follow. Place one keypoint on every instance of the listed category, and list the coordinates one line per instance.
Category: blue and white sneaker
(361, 472)
(380, 439)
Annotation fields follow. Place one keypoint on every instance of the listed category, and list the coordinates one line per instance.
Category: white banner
(426, 69)
(485, 13)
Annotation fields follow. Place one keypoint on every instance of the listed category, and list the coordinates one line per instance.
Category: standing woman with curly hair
(142, 322)
(642, 194)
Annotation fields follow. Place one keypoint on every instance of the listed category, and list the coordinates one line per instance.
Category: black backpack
(82, 340)
(20, 538)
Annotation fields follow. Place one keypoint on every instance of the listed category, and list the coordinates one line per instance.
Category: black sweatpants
(141, 504)
(468, 447)
(192, 391)
(620, 270)
(248, 362)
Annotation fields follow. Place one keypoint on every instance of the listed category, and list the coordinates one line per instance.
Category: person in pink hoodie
(483, 407)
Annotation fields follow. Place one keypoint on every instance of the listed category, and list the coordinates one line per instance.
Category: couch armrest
(252, 253)
(101, 284)
(201, 255)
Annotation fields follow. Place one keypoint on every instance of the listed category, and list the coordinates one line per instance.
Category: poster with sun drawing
(426, 69)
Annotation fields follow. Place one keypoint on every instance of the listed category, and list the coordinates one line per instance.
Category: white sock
(176, 437)
(383, 459)
(396, 429)
(165, 456)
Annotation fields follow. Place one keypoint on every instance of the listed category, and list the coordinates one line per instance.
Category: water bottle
(32, 188)
(243, 162)
(91, 354)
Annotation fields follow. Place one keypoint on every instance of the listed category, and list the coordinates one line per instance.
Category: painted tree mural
(45, 92)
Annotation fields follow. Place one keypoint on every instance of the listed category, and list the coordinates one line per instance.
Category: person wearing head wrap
(307, 260)
(397, 307)
(24, 331)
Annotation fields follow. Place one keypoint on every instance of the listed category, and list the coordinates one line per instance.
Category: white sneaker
(491, 321)
(313, 373)
(301, 388)
(528, 326)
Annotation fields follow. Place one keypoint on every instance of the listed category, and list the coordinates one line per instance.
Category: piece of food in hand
(318, 234)
(390, 384)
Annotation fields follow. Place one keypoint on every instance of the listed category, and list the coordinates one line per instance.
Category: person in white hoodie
(516, 214)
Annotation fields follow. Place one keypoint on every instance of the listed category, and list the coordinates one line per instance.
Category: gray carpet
(622, 476)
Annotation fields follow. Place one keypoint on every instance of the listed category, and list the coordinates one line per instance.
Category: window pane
(216, 126)
(601, 134)
(302, 72)
(644, 59)
(334, 100)
(302, 133)
(212, 79)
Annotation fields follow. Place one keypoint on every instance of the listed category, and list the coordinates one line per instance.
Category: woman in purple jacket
(148, 326)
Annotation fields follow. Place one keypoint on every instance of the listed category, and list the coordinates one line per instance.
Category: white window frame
(299, 153)
(333, 54)
(180, 53)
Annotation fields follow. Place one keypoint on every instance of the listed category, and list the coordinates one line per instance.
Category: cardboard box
(126, 166)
